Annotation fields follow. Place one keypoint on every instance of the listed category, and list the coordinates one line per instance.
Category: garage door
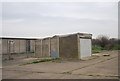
(85, 47)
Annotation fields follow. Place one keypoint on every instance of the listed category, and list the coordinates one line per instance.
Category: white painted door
(85, 47)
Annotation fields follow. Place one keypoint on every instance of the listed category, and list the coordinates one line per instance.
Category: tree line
(103, 42)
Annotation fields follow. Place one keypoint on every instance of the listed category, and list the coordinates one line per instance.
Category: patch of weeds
(44, 60)
(90, 75)
(25, 64)
(93, 75)
(96, 47)
(67, 73)
(106, 55)
(57, 61)
(113, 76)
(118, 76)
(95, 51)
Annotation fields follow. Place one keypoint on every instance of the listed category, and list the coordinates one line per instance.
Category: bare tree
(103, 40)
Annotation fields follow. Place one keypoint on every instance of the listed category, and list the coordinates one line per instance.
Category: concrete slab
(107, 68)
(100, 67)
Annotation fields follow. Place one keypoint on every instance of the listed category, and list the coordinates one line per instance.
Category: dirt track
(96, 67)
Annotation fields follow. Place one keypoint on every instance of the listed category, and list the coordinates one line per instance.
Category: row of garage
(66, 46)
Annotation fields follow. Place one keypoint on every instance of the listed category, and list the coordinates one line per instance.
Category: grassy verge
(39, 61)
(97, 48)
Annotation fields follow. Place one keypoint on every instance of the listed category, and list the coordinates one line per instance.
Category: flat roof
(16, 38)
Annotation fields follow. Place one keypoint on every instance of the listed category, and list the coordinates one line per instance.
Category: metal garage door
(85, 47)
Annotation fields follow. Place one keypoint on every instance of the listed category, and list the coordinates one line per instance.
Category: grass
(39, 61)
(97, 48)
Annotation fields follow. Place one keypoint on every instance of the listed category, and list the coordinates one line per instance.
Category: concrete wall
(0, 46)
(54, 46)
(60, 46)
(4, 46)
(32, 45)
(22, 46)
(18, 46)
(46, 47)
(38, 48)
(68, 46)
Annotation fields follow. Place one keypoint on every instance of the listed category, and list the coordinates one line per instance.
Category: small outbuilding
(77, 45)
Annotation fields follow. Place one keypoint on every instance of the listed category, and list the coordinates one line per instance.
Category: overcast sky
(42, 19)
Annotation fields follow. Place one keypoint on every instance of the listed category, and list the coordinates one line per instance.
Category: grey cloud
(45, 19)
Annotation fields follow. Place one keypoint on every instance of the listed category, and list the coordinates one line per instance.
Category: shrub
(103, 40)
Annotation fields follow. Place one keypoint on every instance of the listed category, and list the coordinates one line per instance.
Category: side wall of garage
(68, 46)
(4, 46)
(17, 46)
(46, 47)
(38, 48)
(22, 46)
(54, 46)
(32, 46)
